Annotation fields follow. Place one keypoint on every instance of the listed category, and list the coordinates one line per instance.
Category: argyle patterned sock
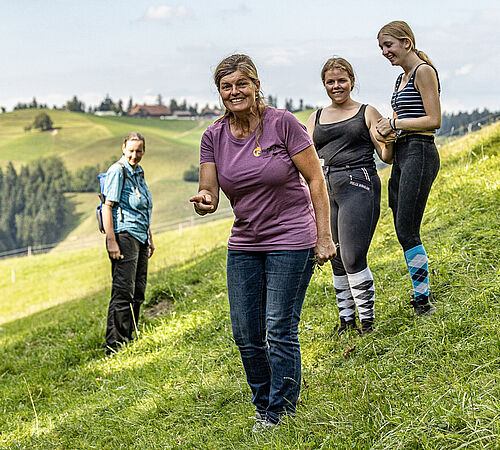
(363, 291)
(417, 262)
(345, 301)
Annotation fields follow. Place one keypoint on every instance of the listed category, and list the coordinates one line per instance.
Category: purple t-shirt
(270, 200)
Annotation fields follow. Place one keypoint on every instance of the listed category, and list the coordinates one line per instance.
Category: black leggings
(354, 212)
(416, 164)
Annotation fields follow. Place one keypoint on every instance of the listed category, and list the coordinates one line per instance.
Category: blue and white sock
(345, 301)
(363, 292)
(418, 266)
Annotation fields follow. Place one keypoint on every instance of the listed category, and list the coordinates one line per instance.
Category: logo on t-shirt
(256, 152)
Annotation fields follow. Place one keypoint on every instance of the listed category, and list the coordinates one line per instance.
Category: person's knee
(354, 262)
(247, 336)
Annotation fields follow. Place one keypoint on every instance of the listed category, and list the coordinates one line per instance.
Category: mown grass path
(414, 383)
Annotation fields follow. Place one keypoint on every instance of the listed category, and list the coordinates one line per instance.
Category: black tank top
(346, 143)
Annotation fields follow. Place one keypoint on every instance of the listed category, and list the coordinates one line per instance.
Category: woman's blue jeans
(266, 291)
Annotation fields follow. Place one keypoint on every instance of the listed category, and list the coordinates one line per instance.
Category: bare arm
(107, 222)
(382, 146)
(207, 199)
(427, 84)
(307, 163)
(311, 123)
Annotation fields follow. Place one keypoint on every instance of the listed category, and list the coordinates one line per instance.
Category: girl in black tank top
(344, 137)
(346, 143)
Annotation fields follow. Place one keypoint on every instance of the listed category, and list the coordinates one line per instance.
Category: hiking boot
(345, 325)
(423, 307)
(366, 326)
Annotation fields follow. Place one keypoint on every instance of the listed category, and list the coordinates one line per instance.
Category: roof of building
(150, 110)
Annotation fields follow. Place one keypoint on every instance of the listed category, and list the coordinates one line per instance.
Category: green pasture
(415, 383)
(83, 139)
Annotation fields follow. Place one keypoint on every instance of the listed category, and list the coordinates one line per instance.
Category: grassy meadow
(415, 383)
(85, 139)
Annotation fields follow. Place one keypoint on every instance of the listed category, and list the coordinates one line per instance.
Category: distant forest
(464, 122)
(33, 208)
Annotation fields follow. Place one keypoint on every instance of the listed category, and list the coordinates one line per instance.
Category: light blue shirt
(132, 207)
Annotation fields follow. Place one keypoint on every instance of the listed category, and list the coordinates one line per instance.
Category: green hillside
(415, 383)
(82, 139)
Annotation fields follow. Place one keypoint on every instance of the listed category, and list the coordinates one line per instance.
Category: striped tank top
(407, 103)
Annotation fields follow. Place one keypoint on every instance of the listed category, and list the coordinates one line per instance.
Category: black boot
(346, 324)
(423, 306)
(366, 326)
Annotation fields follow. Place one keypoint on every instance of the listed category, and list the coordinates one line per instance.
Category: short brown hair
(338, 63)
(135, 136)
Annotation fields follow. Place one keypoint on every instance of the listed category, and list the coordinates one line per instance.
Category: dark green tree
(43, 121)
(192, 174)
(75, 105)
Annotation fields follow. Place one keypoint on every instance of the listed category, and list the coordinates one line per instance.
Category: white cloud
(464, 70)
(164, 12)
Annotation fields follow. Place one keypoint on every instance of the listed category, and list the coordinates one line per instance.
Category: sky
(54, 49)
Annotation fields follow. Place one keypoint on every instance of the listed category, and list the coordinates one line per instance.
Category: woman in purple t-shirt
(262, 158)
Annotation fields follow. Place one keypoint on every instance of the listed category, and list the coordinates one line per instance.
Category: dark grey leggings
(354, 212)
(416, 164)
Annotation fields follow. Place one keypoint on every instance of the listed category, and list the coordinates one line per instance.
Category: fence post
(29, 250)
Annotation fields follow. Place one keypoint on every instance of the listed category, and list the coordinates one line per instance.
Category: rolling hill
(82, 139)
(415, 383)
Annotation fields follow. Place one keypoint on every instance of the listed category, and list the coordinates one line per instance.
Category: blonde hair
(338, 63)
(135, 136)
(245, 65)
(401, 30)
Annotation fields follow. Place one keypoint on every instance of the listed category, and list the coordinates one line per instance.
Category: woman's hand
(384, 126)
(325, 249)
(113, 249)
(151, 247)
(203, 204)
(388, 139)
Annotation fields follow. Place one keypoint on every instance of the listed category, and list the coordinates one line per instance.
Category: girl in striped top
(417, 114)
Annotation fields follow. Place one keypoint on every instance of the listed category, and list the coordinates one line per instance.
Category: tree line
(119, 107)
(464, 122)
(33, 207)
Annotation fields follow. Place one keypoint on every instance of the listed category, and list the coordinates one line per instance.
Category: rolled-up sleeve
(113, 183)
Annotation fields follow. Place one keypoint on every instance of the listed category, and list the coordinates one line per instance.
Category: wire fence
(96, 239)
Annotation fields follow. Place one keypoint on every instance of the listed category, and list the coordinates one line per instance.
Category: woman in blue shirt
(126, 218)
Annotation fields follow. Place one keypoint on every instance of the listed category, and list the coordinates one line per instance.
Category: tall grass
(416, 383)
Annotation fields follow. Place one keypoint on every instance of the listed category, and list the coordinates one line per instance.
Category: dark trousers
(354, 211)
(127, 291)
(416, 164)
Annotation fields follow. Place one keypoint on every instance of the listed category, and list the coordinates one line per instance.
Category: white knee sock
(345, 301)
(363, 291)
